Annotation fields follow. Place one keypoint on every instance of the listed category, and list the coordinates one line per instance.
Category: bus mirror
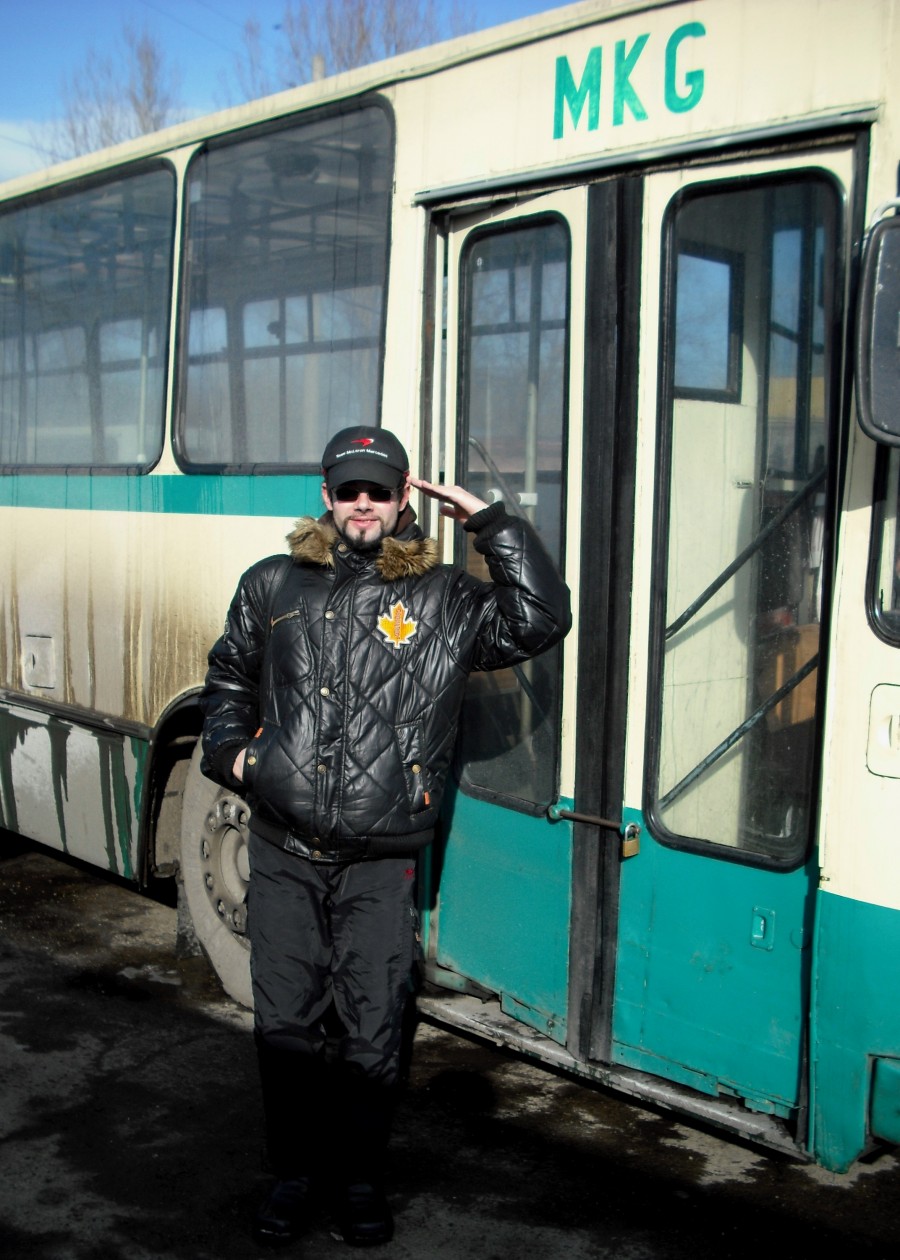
(878, 335)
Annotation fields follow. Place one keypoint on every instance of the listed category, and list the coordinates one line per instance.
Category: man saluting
(332, 701)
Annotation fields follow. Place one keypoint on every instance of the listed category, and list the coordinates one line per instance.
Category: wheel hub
(225, 860)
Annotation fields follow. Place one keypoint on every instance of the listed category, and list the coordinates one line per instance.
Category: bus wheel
(215, 870)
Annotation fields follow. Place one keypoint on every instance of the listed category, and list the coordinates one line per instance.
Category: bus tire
(215, 871)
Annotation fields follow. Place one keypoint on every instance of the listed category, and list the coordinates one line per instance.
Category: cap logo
(361, 441)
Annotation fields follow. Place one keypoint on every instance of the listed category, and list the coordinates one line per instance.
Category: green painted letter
(624, 94)
(675, 102)
(568, 94)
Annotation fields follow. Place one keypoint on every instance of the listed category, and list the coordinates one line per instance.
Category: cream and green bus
(633, 268)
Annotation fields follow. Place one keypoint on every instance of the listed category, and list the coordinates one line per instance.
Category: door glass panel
(743, 470)
(514, 342)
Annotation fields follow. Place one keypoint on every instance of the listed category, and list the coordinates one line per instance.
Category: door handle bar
(630, 832)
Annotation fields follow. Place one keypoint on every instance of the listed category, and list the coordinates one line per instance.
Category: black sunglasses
(350, 491)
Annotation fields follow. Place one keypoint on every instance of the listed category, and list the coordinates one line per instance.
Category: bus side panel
(72, 788)
(710, 990)
(506, 877)
(856, 1028)
(110, 626)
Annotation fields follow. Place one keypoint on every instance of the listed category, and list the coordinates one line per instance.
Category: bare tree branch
(250, 71)
(110, 99)
(324, 37)
(152, 85)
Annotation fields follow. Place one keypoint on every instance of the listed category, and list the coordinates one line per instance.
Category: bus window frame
(258, 131)
(86, 184)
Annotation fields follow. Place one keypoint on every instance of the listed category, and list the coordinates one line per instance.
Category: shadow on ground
(131, 1129)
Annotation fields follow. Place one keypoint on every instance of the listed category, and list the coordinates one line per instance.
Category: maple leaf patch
(397, 627)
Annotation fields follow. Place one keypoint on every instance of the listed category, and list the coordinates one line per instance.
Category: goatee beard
(363, 544)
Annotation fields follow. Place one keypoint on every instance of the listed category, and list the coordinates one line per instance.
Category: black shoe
(284, 1213)
(366, 1219)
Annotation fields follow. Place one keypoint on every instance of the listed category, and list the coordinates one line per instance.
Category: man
(332, 702)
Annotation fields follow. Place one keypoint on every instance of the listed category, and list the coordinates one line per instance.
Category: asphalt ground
(130, 1124)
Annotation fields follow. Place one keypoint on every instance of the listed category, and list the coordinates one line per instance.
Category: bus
(634, 268)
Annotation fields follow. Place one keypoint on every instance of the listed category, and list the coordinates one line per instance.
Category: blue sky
(43, 40)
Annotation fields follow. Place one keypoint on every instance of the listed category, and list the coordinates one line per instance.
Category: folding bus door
(740, 349)
(509, 428)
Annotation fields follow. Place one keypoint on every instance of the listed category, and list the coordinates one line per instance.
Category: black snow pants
(329, 940)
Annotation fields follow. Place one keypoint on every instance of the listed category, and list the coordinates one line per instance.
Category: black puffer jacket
(343, 674)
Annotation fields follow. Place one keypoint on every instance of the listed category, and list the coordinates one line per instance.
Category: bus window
(743, 469)
(84, 302)
(287, 245)
(708, 317)
(514, 339)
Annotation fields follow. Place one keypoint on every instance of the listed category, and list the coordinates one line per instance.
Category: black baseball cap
(363, 453)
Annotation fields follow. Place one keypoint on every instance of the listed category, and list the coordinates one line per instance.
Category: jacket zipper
(284, 617)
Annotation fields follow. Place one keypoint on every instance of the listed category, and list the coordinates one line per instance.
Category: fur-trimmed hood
(312, 542)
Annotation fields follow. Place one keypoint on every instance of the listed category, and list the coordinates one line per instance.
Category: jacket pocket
(288, 650)
(411, 743)
(255, 752)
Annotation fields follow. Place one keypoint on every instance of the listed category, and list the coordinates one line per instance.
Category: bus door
(740, 347)
(507, 409)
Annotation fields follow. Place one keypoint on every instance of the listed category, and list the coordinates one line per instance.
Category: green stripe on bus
(190, 495)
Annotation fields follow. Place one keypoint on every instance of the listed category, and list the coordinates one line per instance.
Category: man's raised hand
(457, 503)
